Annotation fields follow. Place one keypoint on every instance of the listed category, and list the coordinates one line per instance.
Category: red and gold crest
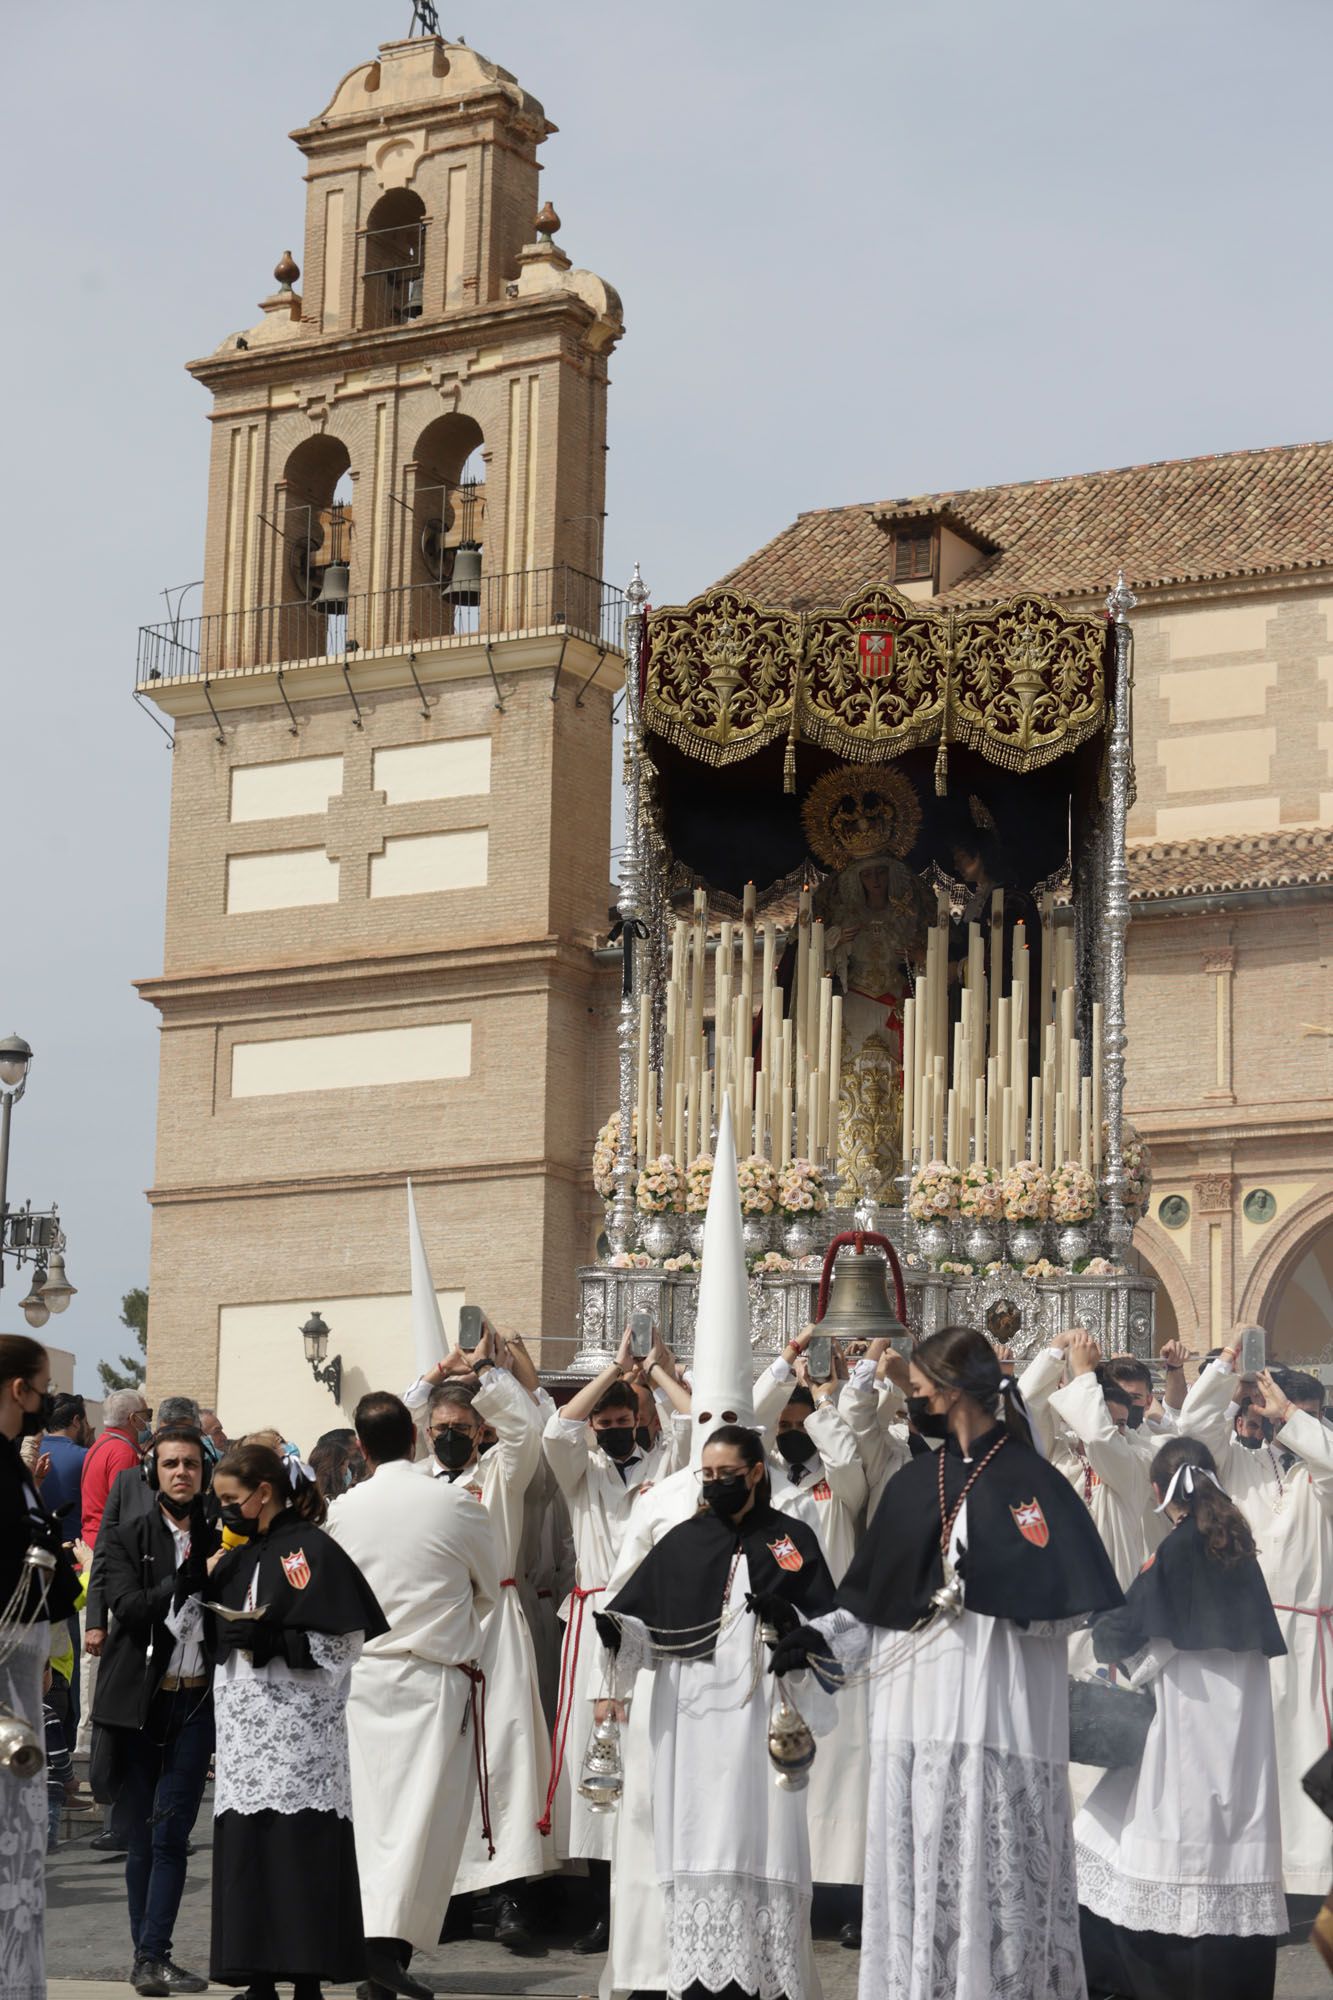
(874, 648)
(1031, 1523)
(296, 1569)
(786, 1554)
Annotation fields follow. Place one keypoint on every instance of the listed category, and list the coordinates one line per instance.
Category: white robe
(428, 1553)
(830, 1497)
(1291, 1515)
(23, 1830)
(517, 1743)
(600, 1500)
(730, 1846)
(1188, 1841)
(874, 1411)
(970, 1890)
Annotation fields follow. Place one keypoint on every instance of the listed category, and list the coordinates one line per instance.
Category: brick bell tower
(390, 815)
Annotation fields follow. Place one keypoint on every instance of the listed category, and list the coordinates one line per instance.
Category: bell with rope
(859, 1307)
(603, 1778)
(464, 585)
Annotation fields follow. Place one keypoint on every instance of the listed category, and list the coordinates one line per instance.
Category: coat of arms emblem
(1031, 1523)
(296, 1569)
(786, 1554)
(874, 649)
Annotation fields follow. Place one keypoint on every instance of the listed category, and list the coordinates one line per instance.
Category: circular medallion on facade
(1173, 1211)
(1259, 1205)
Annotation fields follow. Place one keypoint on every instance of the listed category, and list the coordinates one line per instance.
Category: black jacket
(23, 1521)
(130, 1494)
(141, 1583)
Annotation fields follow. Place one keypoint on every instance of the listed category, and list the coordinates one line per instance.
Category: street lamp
(315, 1335)
(27, 1235)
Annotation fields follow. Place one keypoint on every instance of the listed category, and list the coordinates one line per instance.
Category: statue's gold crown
(860, 810)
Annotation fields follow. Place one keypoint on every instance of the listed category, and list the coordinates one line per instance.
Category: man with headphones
(153, 1707)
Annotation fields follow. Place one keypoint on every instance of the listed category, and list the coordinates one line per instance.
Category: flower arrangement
(632, 1260)
(772, 1260)
(1073, 1193)
(1027, 1193)
(757, 1184)
(914, 1261)
(605, 1152)
(801, 1189)
(934, 1193)
(698, 1184)
(996, 1266)
(661, 1188)
(1138, 1166)
(981, 1196)
(1102, 1267)
(686, 1261)
(1043, 1268)
(949, 1269)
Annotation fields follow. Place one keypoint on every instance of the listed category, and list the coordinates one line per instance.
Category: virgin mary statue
(862, 820)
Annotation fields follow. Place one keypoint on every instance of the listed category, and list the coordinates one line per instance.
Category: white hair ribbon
(1009, 1388)
(297, 1467)
(1191, 1474)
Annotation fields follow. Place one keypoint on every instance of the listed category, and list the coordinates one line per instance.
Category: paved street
(88, 1941)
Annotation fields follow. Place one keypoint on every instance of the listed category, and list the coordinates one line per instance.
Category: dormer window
(913, 557)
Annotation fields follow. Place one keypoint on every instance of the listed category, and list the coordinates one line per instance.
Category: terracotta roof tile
(1296, 857)
(1243, 513)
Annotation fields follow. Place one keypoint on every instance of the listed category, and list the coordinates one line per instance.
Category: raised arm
(1206, 1410)
(512, 1415)
(1116, 1459)
(843, 1467)
(1038, 1383)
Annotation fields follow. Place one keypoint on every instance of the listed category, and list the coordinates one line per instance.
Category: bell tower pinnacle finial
(425, 20)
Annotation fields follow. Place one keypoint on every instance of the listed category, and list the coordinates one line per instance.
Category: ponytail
(958, 1357)
(1225, 1531)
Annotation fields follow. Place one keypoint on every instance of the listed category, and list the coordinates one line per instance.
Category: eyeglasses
(708, 1475)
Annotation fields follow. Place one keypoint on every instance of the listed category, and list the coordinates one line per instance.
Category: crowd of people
(396, 1660)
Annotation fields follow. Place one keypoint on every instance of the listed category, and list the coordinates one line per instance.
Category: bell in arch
(464, 585)
(333, 588)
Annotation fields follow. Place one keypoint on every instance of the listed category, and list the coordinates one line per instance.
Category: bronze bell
(860, 1305)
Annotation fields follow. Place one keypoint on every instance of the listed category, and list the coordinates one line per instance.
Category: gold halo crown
(859, 810)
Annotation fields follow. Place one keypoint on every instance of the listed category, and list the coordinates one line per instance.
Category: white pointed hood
(430, 1342)
(722, 1369)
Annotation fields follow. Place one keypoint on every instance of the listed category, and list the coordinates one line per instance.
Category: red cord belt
(564, 1708)
(1324, 1614)
(476, 1711)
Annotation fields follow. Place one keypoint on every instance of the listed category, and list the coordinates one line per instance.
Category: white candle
(1098, 1028)
(1085, 1123)
(834, 1074)
(645, 1029)
(909, 1076)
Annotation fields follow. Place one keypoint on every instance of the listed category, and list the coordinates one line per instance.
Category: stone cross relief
(355, 822)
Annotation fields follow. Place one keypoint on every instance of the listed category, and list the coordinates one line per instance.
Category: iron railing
(415, 617)
(393, 275)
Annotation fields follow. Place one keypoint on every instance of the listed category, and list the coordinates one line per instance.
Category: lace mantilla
(725, 1930)
(978, 1892)
(23, 1831)
(282, 1743)
(1179, 1909)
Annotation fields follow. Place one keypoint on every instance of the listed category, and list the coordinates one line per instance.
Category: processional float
(874, 892)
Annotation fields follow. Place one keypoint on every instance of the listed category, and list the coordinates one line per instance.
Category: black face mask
(242, 1525)
(929, 1423)
(38, 1420)
(644, 1438)
(454, 1448)
(618, 1442)
(178, 1509)
(726, 1497)
(796, 1447)
(487, 1444)
(1133, 1417)
(1250, 1444)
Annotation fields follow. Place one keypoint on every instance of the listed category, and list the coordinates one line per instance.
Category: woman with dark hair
(287, 1616)
(956, 1609)
(732, 1851)
(338, 1463)
(1180, 1855)
(31, 1599)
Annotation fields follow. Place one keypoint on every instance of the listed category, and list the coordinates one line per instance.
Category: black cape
(1201, 1605)
(306, 1584)
(680, 1583)
(1032, 1554)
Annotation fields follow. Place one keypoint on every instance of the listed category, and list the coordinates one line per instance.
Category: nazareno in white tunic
(970, 1891)
(733, 1853)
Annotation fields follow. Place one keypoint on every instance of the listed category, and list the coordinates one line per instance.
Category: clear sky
(866, 249)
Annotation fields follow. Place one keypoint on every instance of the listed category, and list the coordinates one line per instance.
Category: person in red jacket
(124, 1416)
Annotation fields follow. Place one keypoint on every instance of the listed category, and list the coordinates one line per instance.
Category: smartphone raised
(642, 1329)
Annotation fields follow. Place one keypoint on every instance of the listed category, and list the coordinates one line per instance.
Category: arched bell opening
(393, 267)
(317, 527)
(447, 508)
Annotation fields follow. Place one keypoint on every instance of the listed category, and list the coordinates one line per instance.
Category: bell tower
(390, 818)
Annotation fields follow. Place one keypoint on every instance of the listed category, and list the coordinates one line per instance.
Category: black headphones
(174, 1434)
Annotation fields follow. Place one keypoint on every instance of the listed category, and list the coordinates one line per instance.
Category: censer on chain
(791, 1742)
(603, 1778)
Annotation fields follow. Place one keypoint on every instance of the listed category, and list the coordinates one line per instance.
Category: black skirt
(1151, 1965)
(286, 1898)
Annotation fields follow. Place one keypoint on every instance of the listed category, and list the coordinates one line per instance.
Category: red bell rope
(859, 1238)
(564, 1707)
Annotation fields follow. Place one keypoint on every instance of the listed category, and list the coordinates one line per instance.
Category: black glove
(608, 1631)
(770, 1609)
(795, 1650)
